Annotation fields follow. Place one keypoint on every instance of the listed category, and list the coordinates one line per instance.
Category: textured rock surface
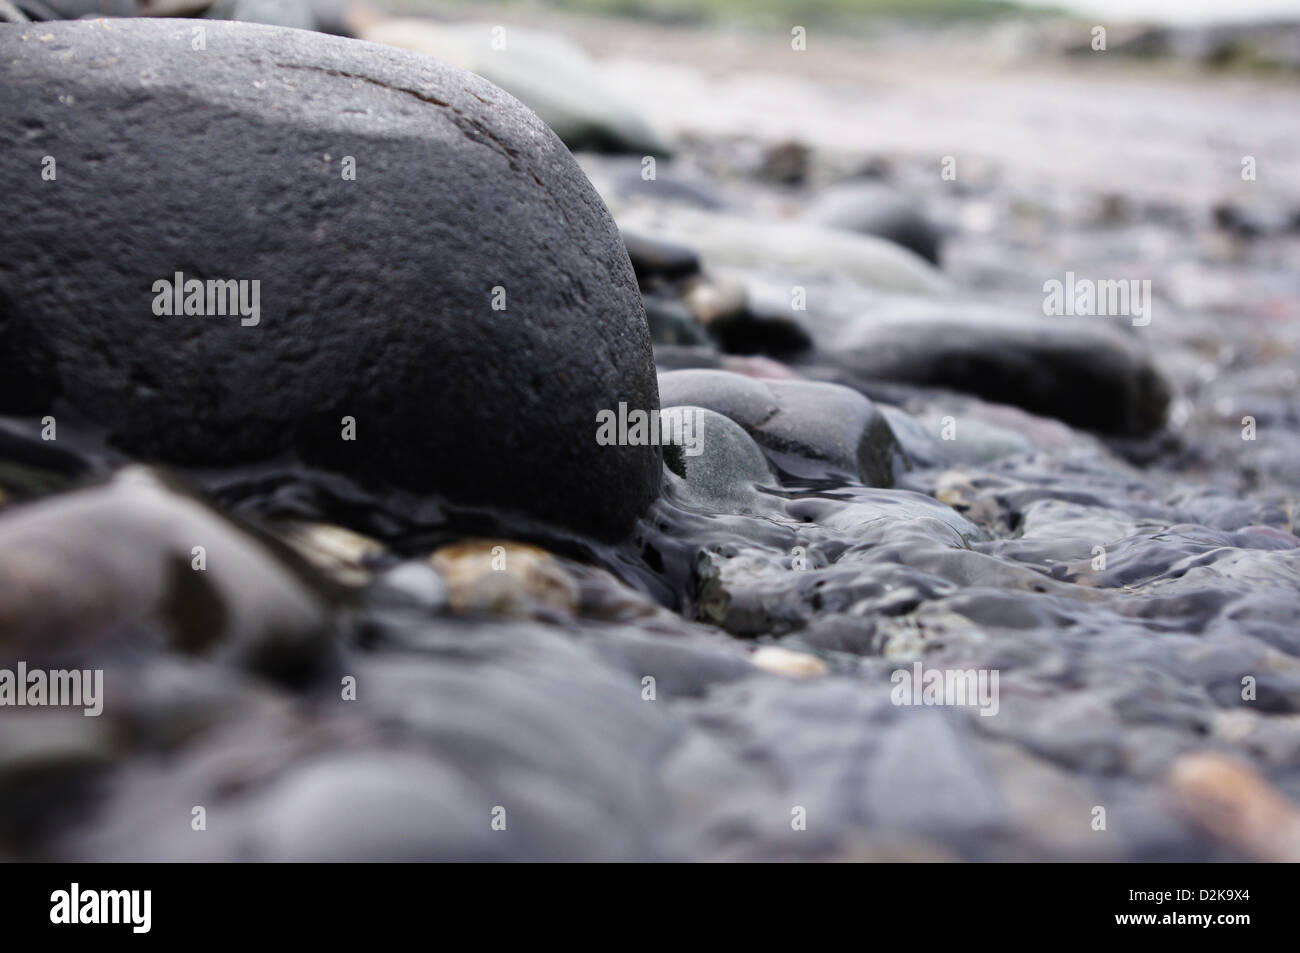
(375, 294)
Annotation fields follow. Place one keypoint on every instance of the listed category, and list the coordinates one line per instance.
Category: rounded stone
(138, 555)
(873, 208)
(807, 428)
(720, 463)
(431, 263)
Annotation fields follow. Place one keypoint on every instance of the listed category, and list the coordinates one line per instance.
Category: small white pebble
(772, 658)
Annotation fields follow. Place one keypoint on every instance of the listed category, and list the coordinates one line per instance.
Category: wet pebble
(808, 429)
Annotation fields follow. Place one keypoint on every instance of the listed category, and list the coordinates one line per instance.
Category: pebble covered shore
(377, 565)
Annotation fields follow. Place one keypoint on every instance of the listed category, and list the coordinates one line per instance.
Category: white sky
(1182, 11)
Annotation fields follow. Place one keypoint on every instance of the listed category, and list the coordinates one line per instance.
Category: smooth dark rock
(671, 323)
(375, 294)
(786, 163)
(758, 329)
(920, 446)
(745, 321)
(873, 208)
(807, 428)
(78, 570)
(722, 477)
(625, 177)
(658, 257)
(1078, 370)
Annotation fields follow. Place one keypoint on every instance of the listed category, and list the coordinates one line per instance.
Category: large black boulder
(218, 151)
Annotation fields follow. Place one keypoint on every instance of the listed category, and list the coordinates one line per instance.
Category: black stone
(375, 294)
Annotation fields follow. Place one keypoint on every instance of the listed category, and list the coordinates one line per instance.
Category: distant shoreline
(1170, 13)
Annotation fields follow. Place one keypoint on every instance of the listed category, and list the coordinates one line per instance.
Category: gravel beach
(520, 435)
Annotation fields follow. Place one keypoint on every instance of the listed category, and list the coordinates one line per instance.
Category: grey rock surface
(375, 296)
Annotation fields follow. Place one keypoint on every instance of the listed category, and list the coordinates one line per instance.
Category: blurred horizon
(1178, 12)
(1157, 12)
